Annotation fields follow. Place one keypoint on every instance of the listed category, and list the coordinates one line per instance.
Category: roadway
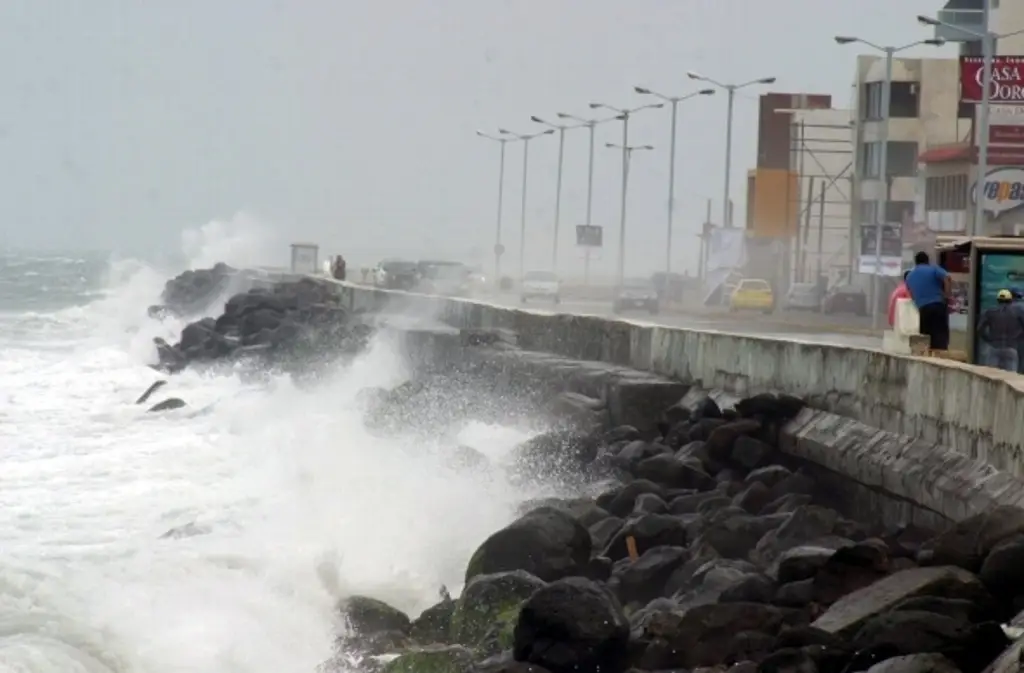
(837, 330)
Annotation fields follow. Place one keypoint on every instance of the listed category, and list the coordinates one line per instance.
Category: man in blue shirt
(931, 288)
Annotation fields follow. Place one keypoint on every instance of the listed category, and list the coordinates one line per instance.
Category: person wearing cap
(1001, 328)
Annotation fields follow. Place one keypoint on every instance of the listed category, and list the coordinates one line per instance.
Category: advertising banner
(1006, 124)
(589, 235)
(1003, 190)
(997, 271)
(1007, 79)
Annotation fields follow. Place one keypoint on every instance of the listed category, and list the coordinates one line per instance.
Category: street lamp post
(561, 128)
(988, 49)
(881, 215)
(526, 138)
(624, 115)
(674, 101)
(730, 89)
(590, 124)
(627, 152)
(498, 248)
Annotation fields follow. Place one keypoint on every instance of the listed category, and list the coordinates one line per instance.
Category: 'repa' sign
(1003, 191)
(1007, 79)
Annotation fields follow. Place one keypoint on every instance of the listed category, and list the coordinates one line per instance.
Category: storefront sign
(1006, 124)
(1003, 191)
(1007, 79)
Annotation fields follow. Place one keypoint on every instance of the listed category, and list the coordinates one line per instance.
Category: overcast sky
(351, 124)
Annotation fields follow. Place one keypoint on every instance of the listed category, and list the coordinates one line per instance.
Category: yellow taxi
(752, 294)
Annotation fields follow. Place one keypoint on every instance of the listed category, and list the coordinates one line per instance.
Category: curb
(785, 324)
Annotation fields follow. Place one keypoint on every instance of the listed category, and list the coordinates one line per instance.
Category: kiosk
(979, 266)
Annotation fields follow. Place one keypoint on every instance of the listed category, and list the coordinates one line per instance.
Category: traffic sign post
(588, 237)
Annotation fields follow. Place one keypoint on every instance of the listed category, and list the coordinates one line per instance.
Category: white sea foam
(300, 502)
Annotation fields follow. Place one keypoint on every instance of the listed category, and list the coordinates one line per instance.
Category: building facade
(924, 113)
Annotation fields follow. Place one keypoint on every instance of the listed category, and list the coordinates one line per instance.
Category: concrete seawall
(947, 438)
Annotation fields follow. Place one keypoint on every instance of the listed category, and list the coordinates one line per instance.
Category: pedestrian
(1001, 328)
(901, 292)
(931, 288)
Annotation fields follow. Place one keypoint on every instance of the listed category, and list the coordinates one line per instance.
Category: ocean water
(297, 503)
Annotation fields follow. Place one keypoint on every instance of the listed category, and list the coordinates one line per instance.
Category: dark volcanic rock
(547, 543)
(300, 318)
(195, 290)
(573, 626)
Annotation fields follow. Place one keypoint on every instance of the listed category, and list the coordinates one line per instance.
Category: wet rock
(847, 615)
(169, 404)
(150, 390)
(666, 470)
(753, 588)
(916, 663)
(195, 290)
(801, 563)
(1003, 568)
(769, 475)
(486, 611)
(851, 568)
(622, 500)
(547, 543)
(968, 542)
(648, 531)
(706, 408)
(750, 453)
(366, 616)
(573, 625)
(649, 503)
(434, 659)
(644, 580)
(805, 524)
(433, 626)
(721, 440)
(602, 532)
(704, 635)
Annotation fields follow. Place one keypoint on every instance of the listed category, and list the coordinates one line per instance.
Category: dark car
(846, 299)
(396, 274)
(636, 294)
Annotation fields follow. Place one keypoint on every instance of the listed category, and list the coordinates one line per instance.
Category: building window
(945, 192)
(902, 160)
(903, 102)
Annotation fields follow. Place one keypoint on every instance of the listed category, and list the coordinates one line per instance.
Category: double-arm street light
(881, 215)
(674, 101)
(731, 89)
(526, 138)
(589, 124)
(627, 152)
(499, 249)
(988, 50)
(624, 114)
(561, 128)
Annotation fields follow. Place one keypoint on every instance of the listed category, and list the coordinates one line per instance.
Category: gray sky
(351, 124)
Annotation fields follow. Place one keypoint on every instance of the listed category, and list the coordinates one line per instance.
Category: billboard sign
(1003, 190)
(304, 258)
(1006, 124)
(1007, 79)
(589, 235)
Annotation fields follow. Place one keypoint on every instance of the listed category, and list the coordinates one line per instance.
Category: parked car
(804, 297)
(846, 299)
(752, 294)
(541, 285)
(636, 294)
(396, 274)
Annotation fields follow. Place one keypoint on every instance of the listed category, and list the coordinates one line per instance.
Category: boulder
(648, 531)
(433, 626)
(573, 625)
(968, 542)
(1001, 571)
(847, 615)
(488, 607)
(916, 663)
(644, 580)
(704, 635)
(666, 470)
(547, 543)
(432, 659)
(365, 616)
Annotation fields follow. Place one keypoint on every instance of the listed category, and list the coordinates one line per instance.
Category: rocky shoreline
(706, 549)
(272, 322)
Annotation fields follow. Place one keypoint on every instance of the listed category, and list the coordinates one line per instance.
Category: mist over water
(294, 501)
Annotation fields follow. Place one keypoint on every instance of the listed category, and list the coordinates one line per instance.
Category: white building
(924, 112)
(822, 158)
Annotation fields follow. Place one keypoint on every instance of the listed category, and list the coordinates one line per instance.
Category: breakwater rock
(706, 548)
(285, 321)
(194, 291)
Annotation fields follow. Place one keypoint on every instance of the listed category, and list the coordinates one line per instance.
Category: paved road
(755, 324)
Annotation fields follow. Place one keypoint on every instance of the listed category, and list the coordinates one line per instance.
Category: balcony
(968, 19)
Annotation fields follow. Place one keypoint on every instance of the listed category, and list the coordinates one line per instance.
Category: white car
(541, 285)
